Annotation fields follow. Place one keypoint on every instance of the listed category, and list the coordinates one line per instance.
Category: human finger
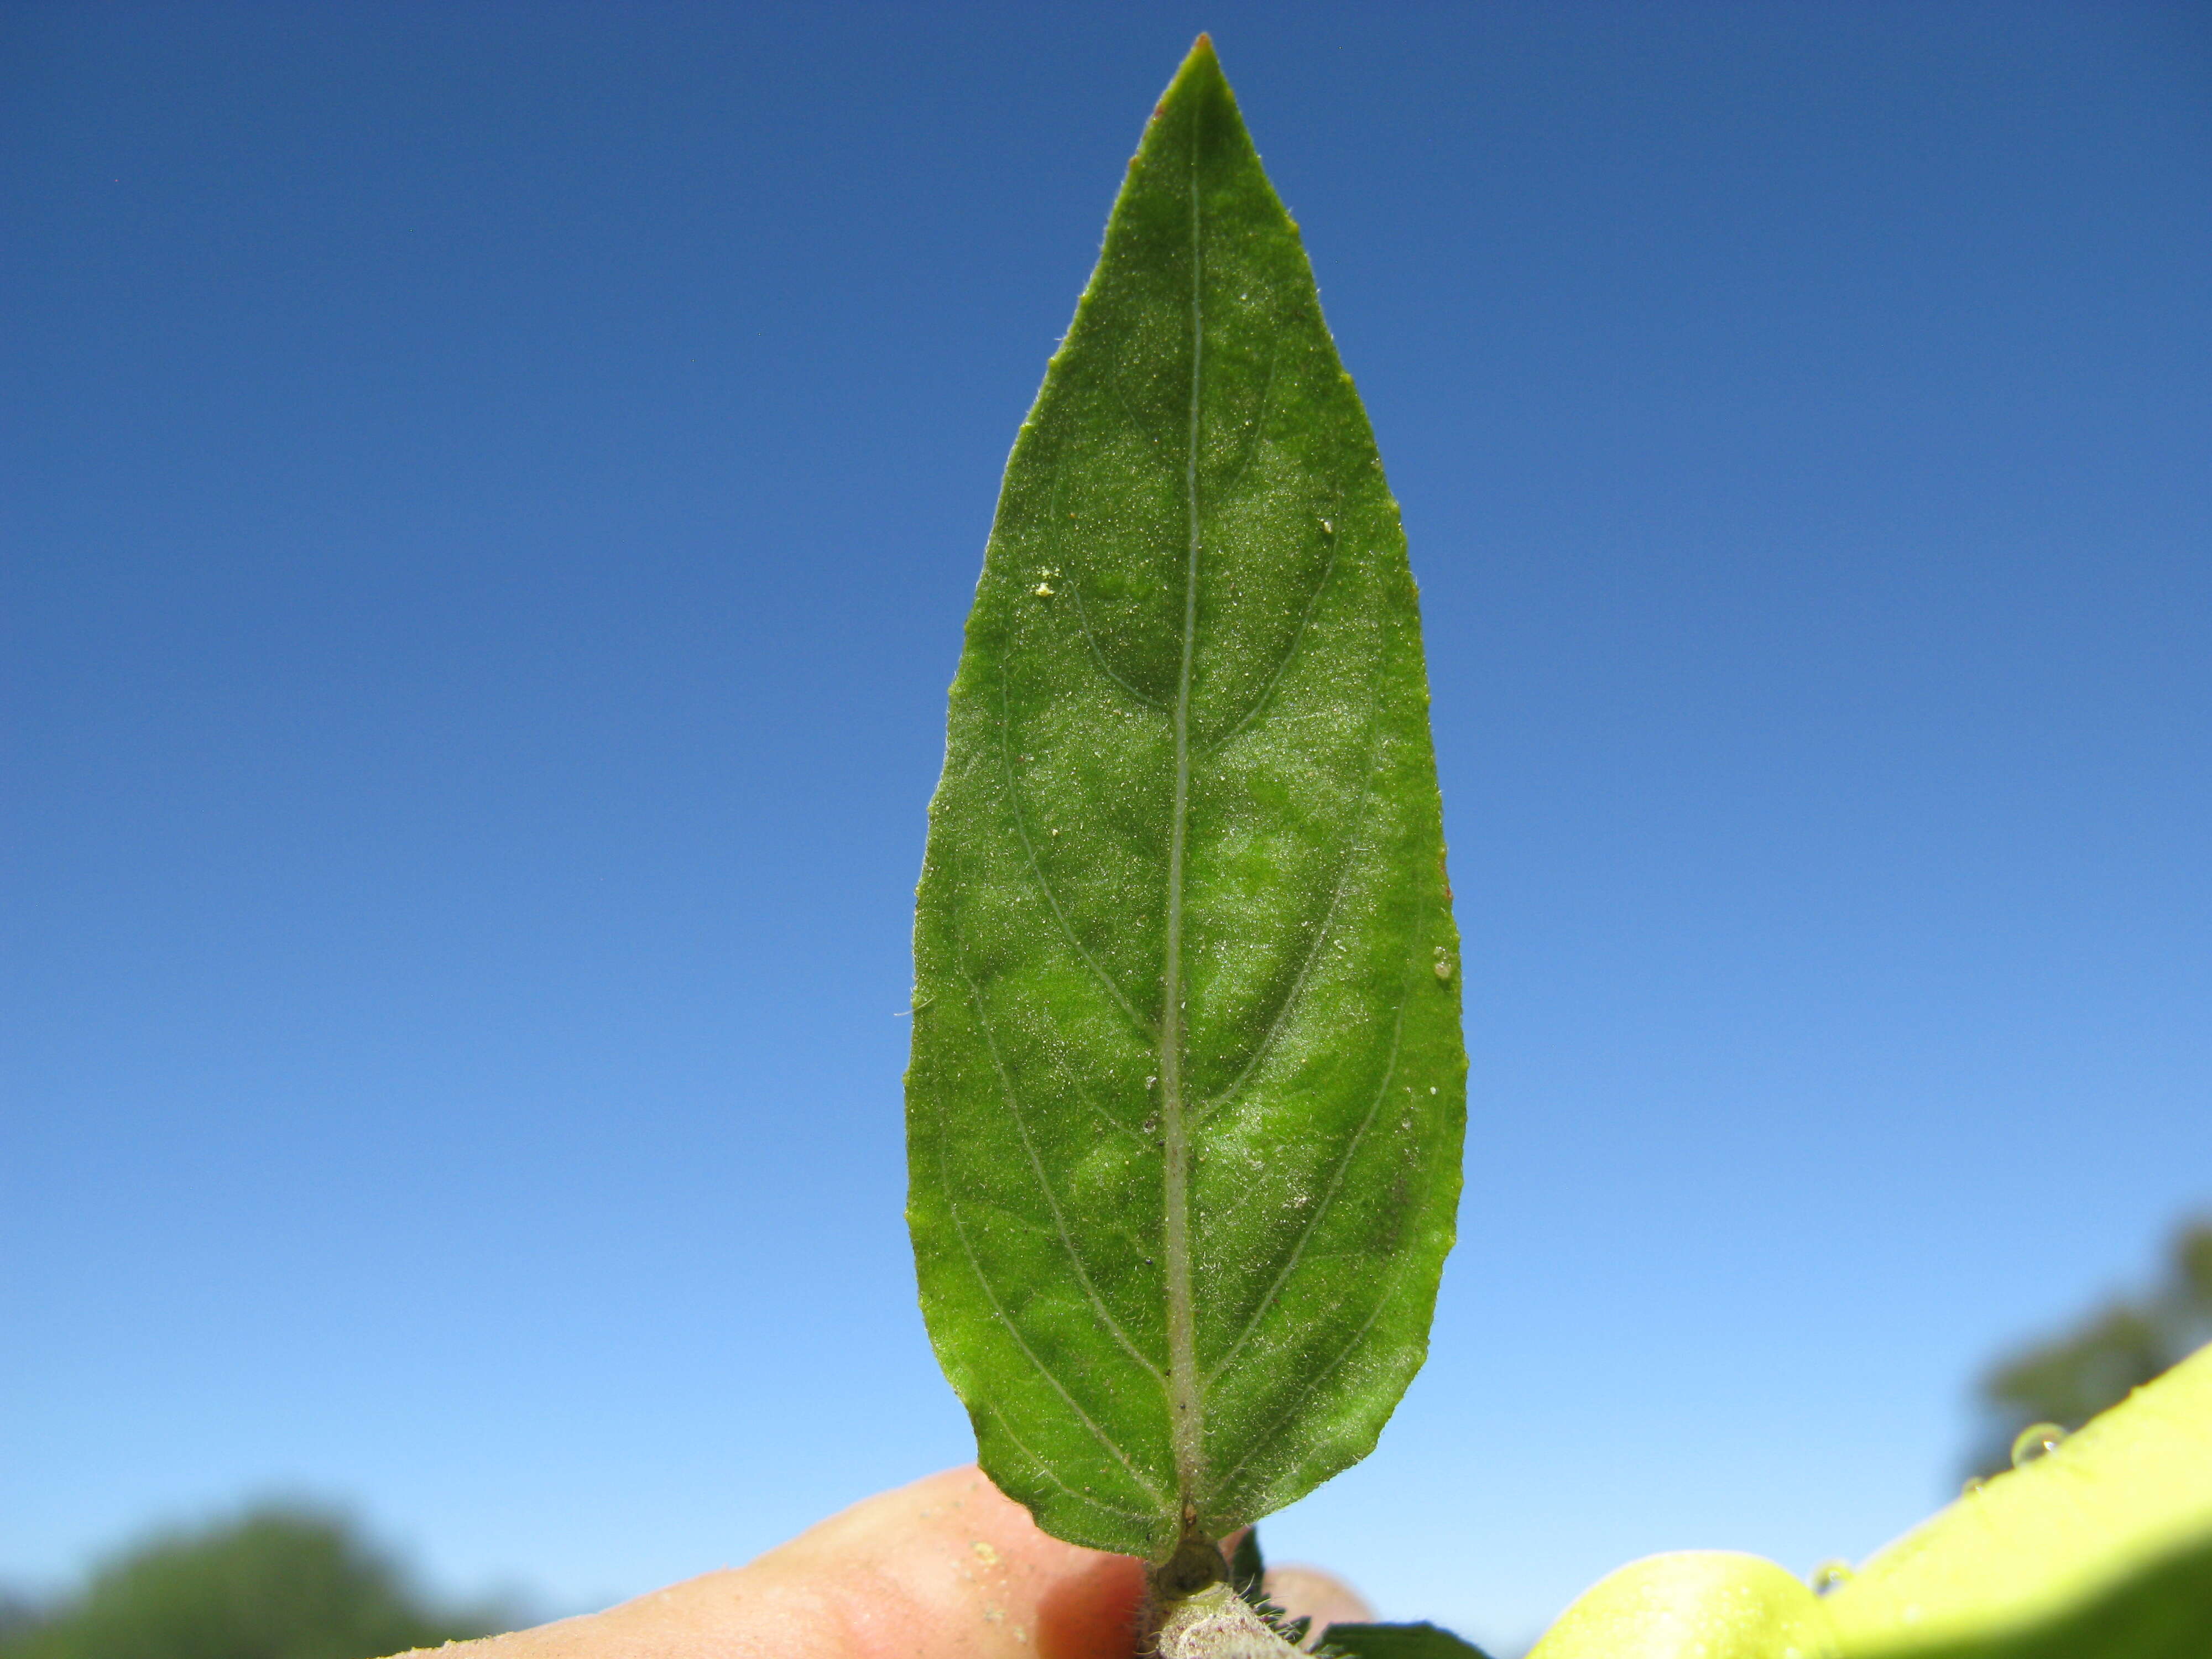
(947, 1568)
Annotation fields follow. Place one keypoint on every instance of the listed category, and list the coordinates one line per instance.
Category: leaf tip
(1200, 60)
(1199, 74)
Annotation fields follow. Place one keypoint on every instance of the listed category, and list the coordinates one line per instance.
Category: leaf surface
(1187, 1096)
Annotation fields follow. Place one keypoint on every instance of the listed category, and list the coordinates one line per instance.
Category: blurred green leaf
(1422, 1641)
(2101, 1548)
(1248, 1569)
(1186, 1103)
(2070, 1378)
(2098, 1544)
(2162, 1611)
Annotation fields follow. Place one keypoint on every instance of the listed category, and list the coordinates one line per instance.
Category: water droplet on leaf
(2036, 1440)
(1829, 1575)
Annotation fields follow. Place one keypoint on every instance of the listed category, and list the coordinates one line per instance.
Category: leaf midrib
(1186, 1408)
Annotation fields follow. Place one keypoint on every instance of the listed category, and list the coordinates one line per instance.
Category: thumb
(947, 1568)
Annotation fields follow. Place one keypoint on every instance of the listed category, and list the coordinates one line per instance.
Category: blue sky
(488, 497)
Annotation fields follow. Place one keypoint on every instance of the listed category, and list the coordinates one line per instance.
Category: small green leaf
(1187, 1096)
(1422, 1641)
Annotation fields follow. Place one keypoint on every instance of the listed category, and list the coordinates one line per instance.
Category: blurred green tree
(276, 1583)
(2069, 1378)
(16, 1616)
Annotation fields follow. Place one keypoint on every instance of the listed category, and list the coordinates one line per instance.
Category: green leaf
(2101, 1549)
(1422, 1641)
(1186, 1097)
(1692, 1604)
(2162, 1610)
